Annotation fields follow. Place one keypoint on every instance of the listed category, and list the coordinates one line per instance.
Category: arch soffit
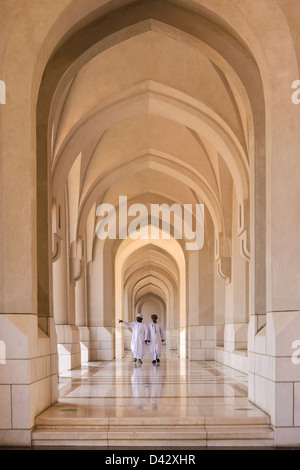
(150, 296)
(159, 266)
(154, 277)
(128, 246)
(157, 99)
(176, 172)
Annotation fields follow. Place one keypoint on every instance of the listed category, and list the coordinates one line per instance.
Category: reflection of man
(139, 386)
(156, 387)
(139, 337)
(156, 337)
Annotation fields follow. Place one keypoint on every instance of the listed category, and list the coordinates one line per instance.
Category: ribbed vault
(160, 115)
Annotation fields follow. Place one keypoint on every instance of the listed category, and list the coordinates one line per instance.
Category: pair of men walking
(143, 334)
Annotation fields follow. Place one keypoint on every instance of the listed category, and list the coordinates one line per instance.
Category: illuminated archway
(125, 250)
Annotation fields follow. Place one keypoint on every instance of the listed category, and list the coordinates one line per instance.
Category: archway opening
(169, 283)
(155, 135)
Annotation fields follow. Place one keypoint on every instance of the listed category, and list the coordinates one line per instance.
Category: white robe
(156, 336)
(139, 335)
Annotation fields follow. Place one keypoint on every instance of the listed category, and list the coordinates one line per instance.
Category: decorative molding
(57, 247)
(224, 268)
(245, 253)
(76, 266)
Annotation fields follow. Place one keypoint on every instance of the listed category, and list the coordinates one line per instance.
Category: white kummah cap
(139, 315)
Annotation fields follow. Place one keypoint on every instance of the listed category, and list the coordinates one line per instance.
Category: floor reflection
(157, 386)
(139, 385)
(120, 395)
(147, 386)
(172, 389)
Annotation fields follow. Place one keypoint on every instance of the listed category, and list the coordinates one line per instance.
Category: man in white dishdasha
(139, 337)
(156, 337)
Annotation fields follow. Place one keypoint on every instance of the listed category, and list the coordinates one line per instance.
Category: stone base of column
(127, 339)
(68, 347)
(232, 346)
(235, 359)
(274, 373)
(202, 343)
(84, 340)
(101, 343)
(78, 345)
(28, 375)
(172, 339)
(236, 337)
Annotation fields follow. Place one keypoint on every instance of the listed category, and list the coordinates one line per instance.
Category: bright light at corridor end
(160, 214)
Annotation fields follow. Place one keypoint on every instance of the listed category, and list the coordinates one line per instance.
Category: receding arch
(126, 248)
(52, 76)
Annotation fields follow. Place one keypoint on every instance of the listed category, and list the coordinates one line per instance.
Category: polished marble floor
(203, 392)
(179, 402)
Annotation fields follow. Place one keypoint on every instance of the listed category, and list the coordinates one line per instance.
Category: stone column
(274, 373)
(274, 370)
(68, 334)
(101, 337)
(60, 300)
(202, 333)
(236, 329)
(28, 376)
(81, 316)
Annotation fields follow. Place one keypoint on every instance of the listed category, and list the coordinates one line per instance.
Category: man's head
(154, 317)
(139, 317)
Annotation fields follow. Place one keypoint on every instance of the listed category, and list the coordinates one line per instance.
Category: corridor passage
(178, 402)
